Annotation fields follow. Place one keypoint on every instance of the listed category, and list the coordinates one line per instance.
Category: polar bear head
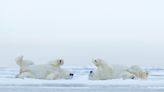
(23, 63)
(94, 75)
(65, 74)
(99, 62)
(57, 63)
(138, 72)
(103, 71)
(60, 74)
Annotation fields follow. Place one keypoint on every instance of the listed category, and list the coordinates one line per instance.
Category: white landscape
(124, 32)
(80, 82)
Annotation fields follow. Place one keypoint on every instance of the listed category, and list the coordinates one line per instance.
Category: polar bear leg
(52, 76)
(25, 75)
(18, 60)
(127, 75)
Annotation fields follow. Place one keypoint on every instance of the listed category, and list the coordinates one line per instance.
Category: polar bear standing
(50, 71)
(138, 72)
(105, 71)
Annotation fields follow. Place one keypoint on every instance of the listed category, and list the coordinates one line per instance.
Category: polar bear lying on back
(105, 71)
(50, 71)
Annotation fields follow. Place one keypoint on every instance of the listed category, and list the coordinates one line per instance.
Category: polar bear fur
(138, 72)
(51, 71)
(105, 71)
(23, 63)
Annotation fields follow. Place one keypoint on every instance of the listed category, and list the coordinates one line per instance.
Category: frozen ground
(80, 82)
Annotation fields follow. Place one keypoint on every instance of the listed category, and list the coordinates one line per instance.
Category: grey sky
(119, 31)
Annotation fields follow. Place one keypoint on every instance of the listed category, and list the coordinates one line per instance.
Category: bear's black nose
(133, 77)
(71, 74)
(91, 72)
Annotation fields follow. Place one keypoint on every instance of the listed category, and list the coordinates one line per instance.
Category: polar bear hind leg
(25, 75)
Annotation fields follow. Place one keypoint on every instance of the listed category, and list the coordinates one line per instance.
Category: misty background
(118, 31)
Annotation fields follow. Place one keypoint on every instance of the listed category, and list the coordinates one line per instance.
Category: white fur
(105, 71)
(138, 72)
(22, 64)
(51, 71)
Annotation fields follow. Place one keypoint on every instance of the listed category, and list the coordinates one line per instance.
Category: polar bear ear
(19, 60)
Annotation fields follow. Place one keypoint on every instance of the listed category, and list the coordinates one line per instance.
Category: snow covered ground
(80, 82)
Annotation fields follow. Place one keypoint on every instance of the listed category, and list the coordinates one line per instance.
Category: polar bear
(138, 72)
(50, 71)
(105, 71)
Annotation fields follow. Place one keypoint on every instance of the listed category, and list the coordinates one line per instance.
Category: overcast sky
(118, 31)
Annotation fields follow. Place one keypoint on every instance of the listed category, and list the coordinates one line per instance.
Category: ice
(80, 82)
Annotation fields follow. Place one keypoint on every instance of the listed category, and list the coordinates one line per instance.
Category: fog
(118, 31)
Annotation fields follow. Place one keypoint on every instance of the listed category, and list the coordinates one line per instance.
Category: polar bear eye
(61, 62)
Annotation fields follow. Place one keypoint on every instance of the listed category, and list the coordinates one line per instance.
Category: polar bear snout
(69, 76)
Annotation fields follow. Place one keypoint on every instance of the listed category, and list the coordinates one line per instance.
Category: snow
(80, 81)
